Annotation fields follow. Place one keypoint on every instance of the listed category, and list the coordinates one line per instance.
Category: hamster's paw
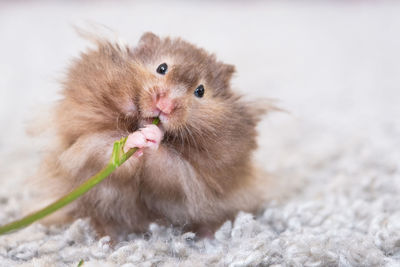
(153, 135)
(150, 136)
(136, 139)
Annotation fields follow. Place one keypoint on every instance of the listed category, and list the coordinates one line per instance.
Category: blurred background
(334, 65)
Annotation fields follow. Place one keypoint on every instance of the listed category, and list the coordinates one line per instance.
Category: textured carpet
(334, 65)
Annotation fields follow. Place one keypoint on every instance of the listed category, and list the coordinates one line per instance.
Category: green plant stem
(117, 159)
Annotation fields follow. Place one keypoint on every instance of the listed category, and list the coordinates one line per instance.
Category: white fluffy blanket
(334, 65)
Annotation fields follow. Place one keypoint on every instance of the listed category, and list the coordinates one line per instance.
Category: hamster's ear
(228, 71)
(222, 75)
(149, 38)
(146, 47)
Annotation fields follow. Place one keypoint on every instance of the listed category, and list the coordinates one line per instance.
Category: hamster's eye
(162, 69)
(199, 92)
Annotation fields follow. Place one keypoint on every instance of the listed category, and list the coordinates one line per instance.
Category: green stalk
(118, 157)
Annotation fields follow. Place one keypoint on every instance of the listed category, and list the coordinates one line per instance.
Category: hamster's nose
(165, 104)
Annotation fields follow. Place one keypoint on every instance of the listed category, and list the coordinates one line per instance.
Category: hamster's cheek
(129, 108)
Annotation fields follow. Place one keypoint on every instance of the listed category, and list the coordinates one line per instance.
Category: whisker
(190, 134)
(117, 120)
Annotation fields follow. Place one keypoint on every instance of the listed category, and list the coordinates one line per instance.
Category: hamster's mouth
(150, 116)
(149, 119)
(163, 117)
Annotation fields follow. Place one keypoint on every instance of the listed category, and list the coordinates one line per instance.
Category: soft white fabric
(335, 66)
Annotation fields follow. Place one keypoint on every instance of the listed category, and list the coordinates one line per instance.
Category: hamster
(193, 171)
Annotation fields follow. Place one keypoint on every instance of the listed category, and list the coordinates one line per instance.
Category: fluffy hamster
(194, 171)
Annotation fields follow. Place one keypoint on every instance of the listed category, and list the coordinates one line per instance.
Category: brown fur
(202, 173)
